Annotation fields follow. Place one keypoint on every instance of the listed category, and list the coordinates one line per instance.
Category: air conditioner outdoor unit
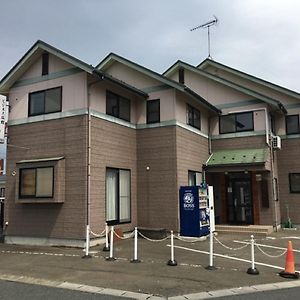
(276, 140)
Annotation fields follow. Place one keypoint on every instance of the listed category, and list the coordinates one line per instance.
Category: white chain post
(135, 255)
(252, 270)
(172, 262)
(211, 266)
(87, 243)
(111, 254)
(106, 247)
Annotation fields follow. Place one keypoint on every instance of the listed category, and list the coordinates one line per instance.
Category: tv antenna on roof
(207, 25)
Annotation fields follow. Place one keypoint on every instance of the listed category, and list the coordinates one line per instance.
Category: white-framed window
(118, 196)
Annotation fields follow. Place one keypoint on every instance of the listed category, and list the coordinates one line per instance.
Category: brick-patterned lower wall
(251, 142)
(288, 162)
(63, 137)
(156, 187)
(113, 146)
(191, 153)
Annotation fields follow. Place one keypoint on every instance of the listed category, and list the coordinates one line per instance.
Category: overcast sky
(259, 37)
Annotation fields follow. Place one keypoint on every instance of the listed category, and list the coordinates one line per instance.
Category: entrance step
(245, 229)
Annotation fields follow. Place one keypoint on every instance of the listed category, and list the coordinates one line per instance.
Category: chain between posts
(152, 240)
(98, 235)
(188, 240)
(123, 237)
(230, 248)
(269, 255)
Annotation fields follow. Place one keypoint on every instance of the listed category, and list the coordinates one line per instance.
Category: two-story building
(114, 143)
(255, 182)
(88, 147)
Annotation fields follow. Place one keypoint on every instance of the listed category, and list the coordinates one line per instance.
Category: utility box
(196, 207)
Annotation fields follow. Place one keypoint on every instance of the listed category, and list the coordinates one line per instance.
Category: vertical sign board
(189, 211)
(3, 114)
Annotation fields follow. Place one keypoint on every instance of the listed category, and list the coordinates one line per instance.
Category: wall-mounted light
(147, 168)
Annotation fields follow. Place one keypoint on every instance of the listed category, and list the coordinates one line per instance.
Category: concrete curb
(79, 287)
(142, 296)
(238, 291)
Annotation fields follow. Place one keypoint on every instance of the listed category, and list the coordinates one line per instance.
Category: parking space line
(266, 246)
(229, 257)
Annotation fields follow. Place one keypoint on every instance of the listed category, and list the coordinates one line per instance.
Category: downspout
(88, 204)
(204, 167)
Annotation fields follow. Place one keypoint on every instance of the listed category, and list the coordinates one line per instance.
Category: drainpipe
(88, 203)
(270, 146)
(204, 167)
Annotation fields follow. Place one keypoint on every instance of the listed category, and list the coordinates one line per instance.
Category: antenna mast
(207, 25)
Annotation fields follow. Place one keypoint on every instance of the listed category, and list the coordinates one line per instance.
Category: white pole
(252, 252)
(106, 247)
(211, 249)
(252, 270)
(87, 242)
(135, 243)
(172, 261)
(111, 257)
(135, 254)
(172, 246)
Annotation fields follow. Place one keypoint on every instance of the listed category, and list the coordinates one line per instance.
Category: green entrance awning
(237, 157)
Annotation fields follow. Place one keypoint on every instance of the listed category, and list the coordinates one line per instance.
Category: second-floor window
(153, 111)
(117, 106)
(193, 117)
(45, 102)
(238, 122)
(292, 124)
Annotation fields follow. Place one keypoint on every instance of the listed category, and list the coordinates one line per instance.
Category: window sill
(39, 200)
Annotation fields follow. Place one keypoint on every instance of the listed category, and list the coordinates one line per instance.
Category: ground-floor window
(194, 178)
(36, 182)
(117, 196)
(294, 182)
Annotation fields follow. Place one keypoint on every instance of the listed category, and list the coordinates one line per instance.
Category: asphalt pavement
(21, 291)
(63, 267)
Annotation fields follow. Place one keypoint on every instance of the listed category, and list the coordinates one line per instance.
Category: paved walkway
(152, 278)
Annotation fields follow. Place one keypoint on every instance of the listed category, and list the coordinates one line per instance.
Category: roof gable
(208, 62)
(112, 57)
(31, 55)
(180, 64)
(37, 49)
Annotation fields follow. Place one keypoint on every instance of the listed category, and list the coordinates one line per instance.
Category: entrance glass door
(240, 201)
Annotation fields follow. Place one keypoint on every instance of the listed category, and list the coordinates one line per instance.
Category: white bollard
(135, 255)
(252, 270)
(172, 261)
(87, 242)
(211, 266)
(106, 247)
(111, 254)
